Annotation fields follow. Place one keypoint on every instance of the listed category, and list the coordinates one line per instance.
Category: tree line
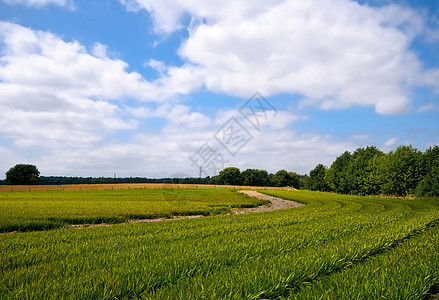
(56, 180)
(256, 177)
(369, 171)
(24, 174)
(228, 176)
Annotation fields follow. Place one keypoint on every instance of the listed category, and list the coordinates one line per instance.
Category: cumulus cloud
(335, 53)
(36, 59)
(42, 60)
(166, 153)
(53, 90)
(72, 100)
(40, 3)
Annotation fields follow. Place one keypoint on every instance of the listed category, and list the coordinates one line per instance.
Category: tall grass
(304, 253)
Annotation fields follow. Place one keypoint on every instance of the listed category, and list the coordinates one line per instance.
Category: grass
(27, 211)
(335, 247)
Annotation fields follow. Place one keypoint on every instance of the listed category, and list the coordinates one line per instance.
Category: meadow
(334, 247)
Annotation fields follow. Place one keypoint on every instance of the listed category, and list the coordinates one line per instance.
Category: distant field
(25, 211)
(334, 247)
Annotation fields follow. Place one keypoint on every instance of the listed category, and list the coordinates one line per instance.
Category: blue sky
(158, 88)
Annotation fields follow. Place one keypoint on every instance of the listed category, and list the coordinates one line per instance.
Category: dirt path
(175, 218)
(276, 203)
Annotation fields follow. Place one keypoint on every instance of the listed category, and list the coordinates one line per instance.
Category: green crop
(27, 211)
(334, 247)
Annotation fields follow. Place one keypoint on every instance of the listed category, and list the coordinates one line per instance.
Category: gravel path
(276, 203)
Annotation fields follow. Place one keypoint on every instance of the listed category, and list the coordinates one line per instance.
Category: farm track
(276, 204)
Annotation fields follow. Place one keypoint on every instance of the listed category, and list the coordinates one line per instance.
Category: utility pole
(201, 170)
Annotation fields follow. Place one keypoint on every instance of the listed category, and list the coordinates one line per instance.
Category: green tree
(255, 177)
(429, 185)
(229, 176)
(295, 180)
(284, 178)
(316, 180)
(430, 159)
(22, 174)
(213, 180)
(336, 176)
(359, 169)
(402, 171)
(375, 174)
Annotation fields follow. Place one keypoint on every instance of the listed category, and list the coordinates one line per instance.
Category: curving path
(276, 203)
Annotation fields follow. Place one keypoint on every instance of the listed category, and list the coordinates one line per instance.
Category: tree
(295, 180)
(229, 176)
(316, 179)
(430, 159)
(22, 174)
(336, 176)
(255, 177)
(429, 185)
(284, 178)
(402, 171)
(359, 169)
(375, 175)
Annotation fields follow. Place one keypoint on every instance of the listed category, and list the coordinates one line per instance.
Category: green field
(334, 247)
(27, 211)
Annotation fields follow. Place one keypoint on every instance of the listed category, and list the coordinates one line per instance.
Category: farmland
(334, 247)
(26, 211)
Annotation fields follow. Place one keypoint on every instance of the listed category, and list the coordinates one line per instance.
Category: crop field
(334, 247)
(27, 211)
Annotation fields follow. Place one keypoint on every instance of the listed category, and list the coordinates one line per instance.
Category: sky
(159, 88)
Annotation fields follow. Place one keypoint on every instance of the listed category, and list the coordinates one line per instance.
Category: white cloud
(391, 142)
(167, 152)
(174, 113)
(40, 3)
(299, 152)
(157, 65)
(55, 91)
(336, 53)
(428, 107)
(68, 101)
(431, 78)
(42, 60)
